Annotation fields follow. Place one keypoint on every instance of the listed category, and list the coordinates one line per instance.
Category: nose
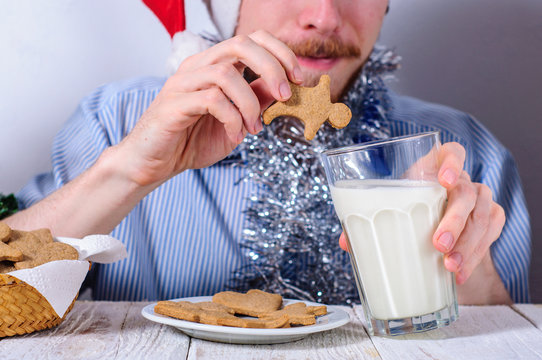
(321, 15)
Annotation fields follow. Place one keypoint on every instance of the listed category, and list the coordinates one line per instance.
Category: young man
(143, 160)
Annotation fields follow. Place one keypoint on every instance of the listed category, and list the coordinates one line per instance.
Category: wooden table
(116, 330)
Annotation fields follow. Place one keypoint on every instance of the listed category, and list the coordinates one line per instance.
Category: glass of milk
(388, 199)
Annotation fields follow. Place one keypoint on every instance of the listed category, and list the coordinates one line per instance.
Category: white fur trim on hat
(184, 44)
(222, 13)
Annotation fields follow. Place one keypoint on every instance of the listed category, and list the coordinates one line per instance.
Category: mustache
(328, 47)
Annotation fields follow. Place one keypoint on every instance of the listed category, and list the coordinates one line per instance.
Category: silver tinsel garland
(291, 232)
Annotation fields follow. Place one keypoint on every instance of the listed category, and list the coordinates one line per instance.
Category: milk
(389, 225)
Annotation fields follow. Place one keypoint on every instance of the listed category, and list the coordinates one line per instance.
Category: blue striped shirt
(183, 238)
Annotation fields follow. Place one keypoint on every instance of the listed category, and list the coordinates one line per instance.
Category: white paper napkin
(59, 281)
(102, 249)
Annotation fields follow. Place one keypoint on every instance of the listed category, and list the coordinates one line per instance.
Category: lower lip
(316, 63)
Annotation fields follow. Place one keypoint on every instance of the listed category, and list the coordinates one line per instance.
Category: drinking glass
(388, 199)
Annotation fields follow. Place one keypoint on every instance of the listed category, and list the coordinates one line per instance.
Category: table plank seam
(373, 343)
(366, 331)
(122, 326)
(189, 347)
(516, 310)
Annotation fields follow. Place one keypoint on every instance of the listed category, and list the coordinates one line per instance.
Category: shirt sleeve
(75, 148)
(511, 253)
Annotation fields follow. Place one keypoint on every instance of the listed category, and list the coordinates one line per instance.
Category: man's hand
(471, 223)
(206, 108)
(197, 119)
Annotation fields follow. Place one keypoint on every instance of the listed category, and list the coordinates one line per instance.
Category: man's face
(332, 37)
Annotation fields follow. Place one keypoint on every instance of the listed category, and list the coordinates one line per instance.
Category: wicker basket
(23, 309)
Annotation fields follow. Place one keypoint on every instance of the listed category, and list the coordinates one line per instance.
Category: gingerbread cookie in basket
(27, 249)
(23, 309)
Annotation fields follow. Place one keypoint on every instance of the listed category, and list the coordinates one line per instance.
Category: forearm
(484, 286)
(93, 203)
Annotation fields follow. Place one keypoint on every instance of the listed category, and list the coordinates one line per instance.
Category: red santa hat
(173, 15)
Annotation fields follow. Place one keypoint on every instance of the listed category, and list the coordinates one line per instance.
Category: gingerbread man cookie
(253, 303)
(298, 313)
(312, 106)
(211, 313)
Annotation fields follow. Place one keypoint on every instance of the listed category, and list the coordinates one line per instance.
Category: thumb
(342, 242)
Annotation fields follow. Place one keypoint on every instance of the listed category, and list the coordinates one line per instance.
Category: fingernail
(284, 90)
(298, 74)
(449, 176)
(445, 240)
(456, 259)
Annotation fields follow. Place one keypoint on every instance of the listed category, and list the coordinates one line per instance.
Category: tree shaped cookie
(312, 106)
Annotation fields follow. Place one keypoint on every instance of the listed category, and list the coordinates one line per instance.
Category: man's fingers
(222, 64)
(461, 201)
(481, 245)
(451, 159)
(263, 63)
(180, 111)
(283, 53)
(224, 111)
(243, 49)
(262, 93)
(471, 245)
(233, 85)
(342, 242)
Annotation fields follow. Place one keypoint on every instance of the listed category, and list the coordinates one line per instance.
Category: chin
(312, 77)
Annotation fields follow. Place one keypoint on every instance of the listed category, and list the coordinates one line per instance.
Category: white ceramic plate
(333, 319)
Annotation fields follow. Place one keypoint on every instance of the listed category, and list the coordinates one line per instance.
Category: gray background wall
(481, 56)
